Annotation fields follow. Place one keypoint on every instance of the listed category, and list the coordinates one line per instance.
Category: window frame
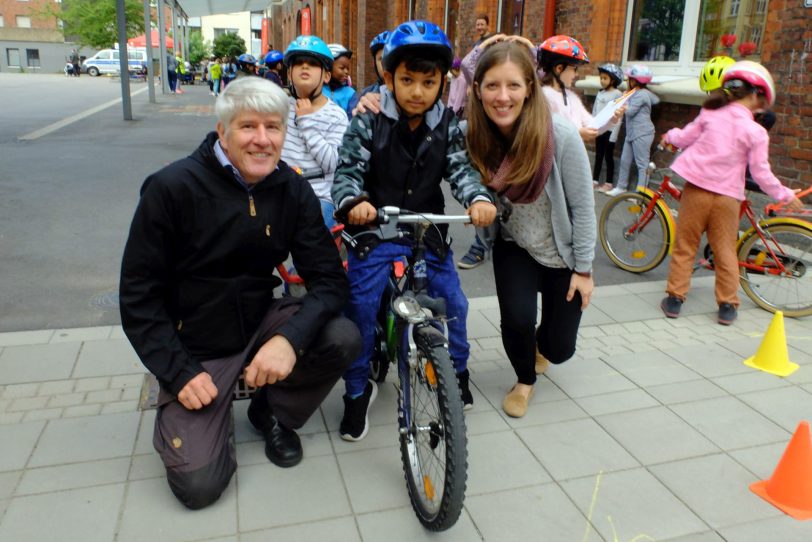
(29, 58)
(17, 21)
(8, 57)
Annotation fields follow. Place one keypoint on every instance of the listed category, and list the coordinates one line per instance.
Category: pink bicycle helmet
(754, 74)
(640, 73)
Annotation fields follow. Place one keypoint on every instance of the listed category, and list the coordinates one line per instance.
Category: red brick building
(673, 37)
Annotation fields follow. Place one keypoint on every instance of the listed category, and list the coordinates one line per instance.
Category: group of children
(400, 155)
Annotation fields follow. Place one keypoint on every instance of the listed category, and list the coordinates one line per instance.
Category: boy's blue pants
(368, 279)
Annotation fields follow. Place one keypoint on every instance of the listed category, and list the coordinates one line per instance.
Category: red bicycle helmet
(754, 74)
(561, 50)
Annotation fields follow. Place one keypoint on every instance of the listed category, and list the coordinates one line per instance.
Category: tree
(229, 45)
(93, 22)
(198, 49)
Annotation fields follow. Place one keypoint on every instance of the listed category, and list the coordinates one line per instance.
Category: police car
(107, 61)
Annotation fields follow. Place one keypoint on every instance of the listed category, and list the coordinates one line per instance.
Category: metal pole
(123, 60)
(148, 45)
(175, 36)
(186, 38)
(445, 18)
(499, 17)
(162, 47)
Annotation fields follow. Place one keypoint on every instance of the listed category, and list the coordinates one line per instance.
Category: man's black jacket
(197, 273)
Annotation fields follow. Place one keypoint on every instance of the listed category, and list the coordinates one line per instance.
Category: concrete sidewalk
(653, 432)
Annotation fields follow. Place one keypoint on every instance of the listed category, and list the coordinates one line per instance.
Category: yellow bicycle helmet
(713, 73)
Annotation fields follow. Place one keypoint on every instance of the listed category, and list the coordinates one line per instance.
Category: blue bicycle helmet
(416, 36)
(378, 42)
(309, 46)
(273, 57)
(245, 58)
(613, 71)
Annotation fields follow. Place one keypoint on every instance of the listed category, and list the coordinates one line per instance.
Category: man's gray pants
(639, 152)
(196, 446)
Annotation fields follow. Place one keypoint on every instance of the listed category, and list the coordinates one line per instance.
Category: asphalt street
(67, 198)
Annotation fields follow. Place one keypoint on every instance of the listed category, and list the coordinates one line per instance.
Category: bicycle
(412, 335)
(637, 229)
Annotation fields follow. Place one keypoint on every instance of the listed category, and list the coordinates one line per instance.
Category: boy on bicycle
(399, 157)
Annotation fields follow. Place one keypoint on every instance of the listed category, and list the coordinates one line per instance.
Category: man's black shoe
(282, 445)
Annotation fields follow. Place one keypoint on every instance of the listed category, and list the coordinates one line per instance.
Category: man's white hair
(251, 93)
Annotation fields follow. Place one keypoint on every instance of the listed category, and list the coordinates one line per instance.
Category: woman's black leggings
(604, 149)
(518, 278)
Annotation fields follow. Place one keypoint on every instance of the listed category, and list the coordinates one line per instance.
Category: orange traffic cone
(790, 487)
(772, 356)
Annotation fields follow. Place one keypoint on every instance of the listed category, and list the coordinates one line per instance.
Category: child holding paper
(610, 76)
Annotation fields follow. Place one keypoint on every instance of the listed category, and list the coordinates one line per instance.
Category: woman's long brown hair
(487, 147)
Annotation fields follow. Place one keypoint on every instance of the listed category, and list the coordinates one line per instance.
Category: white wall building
(246, 24)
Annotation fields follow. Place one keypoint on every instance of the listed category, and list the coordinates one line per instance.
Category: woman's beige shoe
(515, 404)
(541, 363)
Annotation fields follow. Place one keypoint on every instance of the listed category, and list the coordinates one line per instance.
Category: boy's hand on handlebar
(363, 213)
(482, 213)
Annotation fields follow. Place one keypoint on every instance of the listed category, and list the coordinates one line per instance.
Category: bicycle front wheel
(776, 271)
(634, 240)
(433, 444)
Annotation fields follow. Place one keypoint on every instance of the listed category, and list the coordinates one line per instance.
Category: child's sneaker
(727, 314)
(671, 306)
(473, 258)
(465, 389)
(616, 191)
(355, 423)
(605, 187)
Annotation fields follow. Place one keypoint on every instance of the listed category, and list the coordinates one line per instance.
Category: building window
(2, 21)
(23, 21)
(675, 36)
(13, 57)
(32, 58)
(761, 7)
(220, 31)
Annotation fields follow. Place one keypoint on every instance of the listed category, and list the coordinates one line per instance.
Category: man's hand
(482, 213)
(584, 285)
(588, 134)
(304, 107)
(363, 213)
(371, 101)
(273, 362)
(198, 392)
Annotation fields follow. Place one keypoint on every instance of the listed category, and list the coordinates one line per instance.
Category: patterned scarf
(528, 191)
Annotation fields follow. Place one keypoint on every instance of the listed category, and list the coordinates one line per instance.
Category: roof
(198, 8)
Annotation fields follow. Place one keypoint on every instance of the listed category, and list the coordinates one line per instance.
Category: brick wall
(787, 53)
(9, 9)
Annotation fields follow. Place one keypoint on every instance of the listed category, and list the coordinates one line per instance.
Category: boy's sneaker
(355, 423)
(465, 389)
(605, 187)
(616, 191)
(671, 306)
(727, 314)
(473, 258)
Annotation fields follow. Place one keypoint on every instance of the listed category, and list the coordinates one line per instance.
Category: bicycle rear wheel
(433, 444)
(634, 240)
(790, 291)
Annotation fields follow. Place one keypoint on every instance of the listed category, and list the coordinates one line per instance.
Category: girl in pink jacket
(717, 147)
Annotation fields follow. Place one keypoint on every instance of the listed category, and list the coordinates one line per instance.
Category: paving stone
(651, 370)
(66, 400)
(632, 505)
(14, 391)
(495, 385)
(57, 387)
(75, 476)
(523, 514)
(37, 363)
(709, 360)
(760, 460)
(783, 528)
(316, 481)
(750, 381)
(576, 448)
(146, 427)
(619, 401)
(103, 396)
(81, 410)
(59, 514)
(117, 333)
(127, 381)
(784, 406)
(16, 338)
(43, 414)
(121, 406)
(93, 384)
(684, 392)
(707, 536)
(374, 479)
(548, 412)
(147, 466)
(151, 512)
(107, 358)
(81, 334)
(589, 377)
(655, 435)
(343, 529)
(505, 454)
(84, 439)
(27, 403)
(723, 499)
(401, 525)
(7, 418)
(8, 481)
(486, 421)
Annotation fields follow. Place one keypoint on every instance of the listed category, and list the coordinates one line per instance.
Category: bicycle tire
(640, 251)
(790, 293)
(433, 443)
